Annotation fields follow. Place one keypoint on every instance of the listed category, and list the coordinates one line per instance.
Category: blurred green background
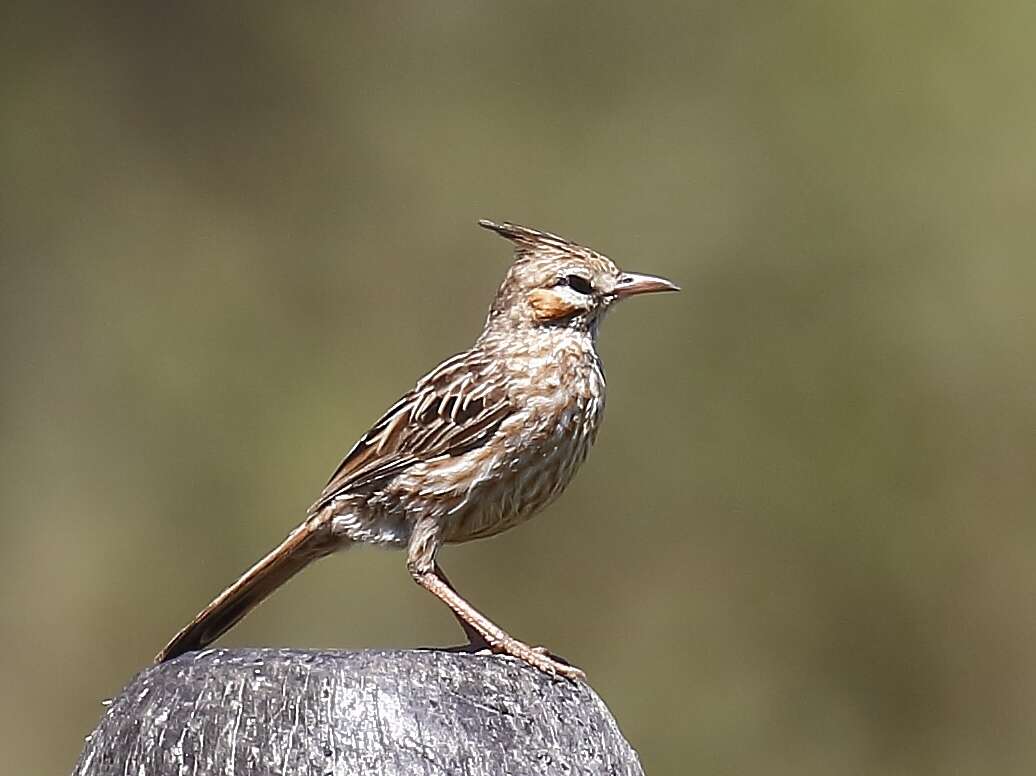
(804, 543)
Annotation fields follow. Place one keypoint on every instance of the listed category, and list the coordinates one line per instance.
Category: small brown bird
(484, 441)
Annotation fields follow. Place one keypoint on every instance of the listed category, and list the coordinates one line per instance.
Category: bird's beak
(631, 284)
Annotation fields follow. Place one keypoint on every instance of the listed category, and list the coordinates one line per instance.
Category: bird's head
(557, 283)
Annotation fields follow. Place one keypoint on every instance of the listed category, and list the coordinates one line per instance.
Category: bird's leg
(475, 639)
(430, 577)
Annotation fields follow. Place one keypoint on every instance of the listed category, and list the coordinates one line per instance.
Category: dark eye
(577, 283)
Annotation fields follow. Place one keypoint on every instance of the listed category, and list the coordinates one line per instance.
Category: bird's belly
(528, 484)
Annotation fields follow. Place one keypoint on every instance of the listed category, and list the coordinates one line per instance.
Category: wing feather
(456, 408)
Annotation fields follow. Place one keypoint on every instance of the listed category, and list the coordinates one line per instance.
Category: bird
(480, 444)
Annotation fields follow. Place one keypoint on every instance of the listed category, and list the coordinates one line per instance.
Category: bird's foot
(538, 657)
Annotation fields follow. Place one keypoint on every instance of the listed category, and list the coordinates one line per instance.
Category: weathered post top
(280, 711)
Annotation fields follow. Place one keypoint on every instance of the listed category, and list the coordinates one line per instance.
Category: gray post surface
(280, 711)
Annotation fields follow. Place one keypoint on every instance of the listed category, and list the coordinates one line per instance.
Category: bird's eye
(577, 283)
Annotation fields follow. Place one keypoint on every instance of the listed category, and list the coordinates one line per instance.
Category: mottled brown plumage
(484, 441)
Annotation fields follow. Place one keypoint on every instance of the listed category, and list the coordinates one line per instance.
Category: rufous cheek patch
(548, 306)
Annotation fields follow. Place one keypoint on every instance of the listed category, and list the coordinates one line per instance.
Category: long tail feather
(309, 541)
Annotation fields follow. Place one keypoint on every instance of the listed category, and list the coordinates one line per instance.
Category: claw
(539, 657)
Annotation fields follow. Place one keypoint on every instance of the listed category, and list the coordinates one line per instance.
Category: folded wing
(456, 408)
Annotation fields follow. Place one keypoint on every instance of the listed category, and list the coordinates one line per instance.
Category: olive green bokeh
(805, 541)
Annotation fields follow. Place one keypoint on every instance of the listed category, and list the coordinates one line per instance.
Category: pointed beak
(631, 284)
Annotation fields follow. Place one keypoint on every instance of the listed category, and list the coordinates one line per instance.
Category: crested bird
(481, 443)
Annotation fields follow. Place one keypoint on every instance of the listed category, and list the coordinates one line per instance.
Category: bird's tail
(308, 542)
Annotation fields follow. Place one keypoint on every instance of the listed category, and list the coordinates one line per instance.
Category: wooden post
(280, 711)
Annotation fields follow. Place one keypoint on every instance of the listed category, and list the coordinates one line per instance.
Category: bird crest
(528, 241)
